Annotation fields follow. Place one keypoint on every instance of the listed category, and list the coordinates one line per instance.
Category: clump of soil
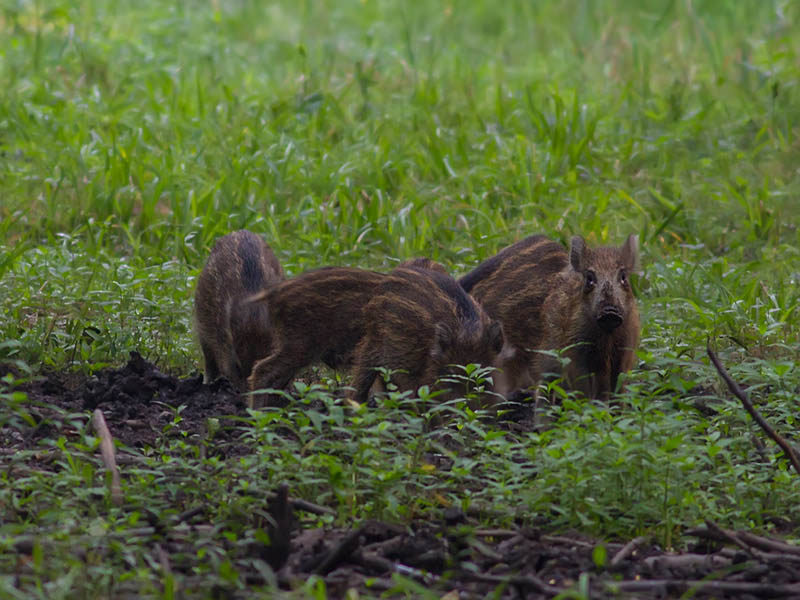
(139, 402)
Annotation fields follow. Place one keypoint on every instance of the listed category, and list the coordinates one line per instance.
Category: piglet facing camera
(547, 298)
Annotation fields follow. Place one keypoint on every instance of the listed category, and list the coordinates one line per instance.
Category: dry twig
(107, 452)
(530, 582)
(340, 552)
(560, 539)
(767, 544)
(728, 536)
(627, 550)
(496, 533)
(310, 507)
(688, 561)
(681, 586)
(739, 393)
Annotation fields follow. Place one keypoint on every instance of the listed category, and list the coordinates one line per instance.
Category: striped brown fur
(419, 323)
(548, 298)
(315, 317)
(233, 334)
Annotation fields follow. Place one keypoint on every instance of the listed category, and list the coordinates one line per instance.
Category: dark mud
(138, 401)
(452, 556)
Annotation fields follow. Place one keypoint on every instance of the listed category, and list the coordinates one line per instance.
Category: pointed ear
(630, 253)
(495, 337)
(577, 251)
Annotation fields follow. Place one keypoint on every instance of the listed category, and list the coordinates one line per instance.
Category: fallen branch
(496, 533)
(485, 550)
(107, 452)
(783, 557)
(530, 582)
(389, 546)
(681, 586)
(763, 549)
(310, 507)
(379, 564)
(340, 552)
(560, 539)
(767, 544)
(756, 541)
(627, 550)
(696, 562)
(373, 562)
(739, 393)
(729, 536)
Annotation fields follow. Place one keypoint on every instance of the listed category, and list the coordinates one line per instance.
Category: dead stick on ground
(681, 586)
(496, 533)
(310, 507)
(767, 544)
(729, 536)
(560, 539)
(627, 550)
(524, 581)
(755, 541)
(341, 551)
(737, 391)
(107, 452)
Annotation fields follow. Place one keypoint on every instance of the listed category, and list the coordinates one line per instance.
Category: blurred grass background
(132, 134)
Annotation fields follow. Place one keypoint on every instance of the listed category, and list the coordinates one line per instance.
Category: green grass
(133, 134)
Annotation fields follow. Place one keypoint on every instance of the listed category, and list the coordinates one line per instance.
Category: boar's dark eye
(623, 277)
(591, 280)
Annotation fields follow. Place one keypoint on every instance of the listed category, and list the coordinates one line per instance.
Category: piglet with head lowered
(234, 333)
(422, 325)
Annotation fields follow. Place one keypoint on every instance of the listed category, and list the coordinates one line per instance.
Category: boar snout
(609, 318)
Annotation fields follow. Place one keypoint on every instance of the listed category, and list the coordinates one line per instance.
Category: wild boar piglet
(314, 317)
(421, 324)
(233, 333)
(547, 298)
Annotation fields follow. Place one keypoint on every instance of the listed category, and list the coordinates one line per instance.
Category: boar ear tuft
(496, 337)
(630, 253)
(577, 251)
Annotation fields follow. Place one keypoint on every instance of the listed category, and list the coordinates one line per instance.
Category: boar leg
(364, 373)
(211, 366)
